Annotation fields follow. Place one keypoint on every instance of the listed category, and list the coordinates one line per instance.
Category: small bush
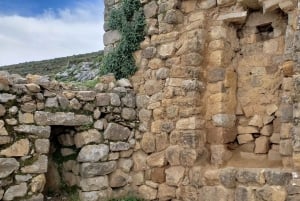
(129, 20)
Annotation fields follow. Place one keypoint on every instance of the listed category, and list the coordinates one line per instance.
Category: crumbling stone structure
(51, 135)
(211, 114)
(217, 87)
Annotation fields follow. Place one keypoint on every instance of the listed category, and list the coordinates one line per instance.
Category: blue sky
(43, 29)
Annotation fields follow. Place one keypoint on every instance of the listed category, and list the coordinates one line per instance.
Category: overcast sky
(43, 29)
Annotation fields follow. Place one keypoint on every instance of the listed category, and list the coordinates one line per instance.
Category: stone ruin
(211, 114)
(52, 137)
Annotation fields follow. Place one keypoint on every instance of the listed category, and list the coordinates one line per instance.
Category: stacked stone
(110, 37)
(249, 184)
(99, 126)
(259, 75)
(296, 81)
(221, 86)
(169, 84)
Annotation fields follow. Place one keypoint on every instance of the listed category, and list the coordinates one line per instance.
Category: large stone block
(174, 175)
(219, 135)
(93, 153)
(111, 37)
(15, 191)
(17, 149)
(37, 167)
(88, 170)
(8, 166)
(87, 137)
(278, 177)
(61, 118)
(116, 132)
(94, 183)
(212, 193)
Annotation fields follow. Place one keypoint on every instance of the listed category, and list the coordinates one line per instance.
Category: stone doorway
(62, 177)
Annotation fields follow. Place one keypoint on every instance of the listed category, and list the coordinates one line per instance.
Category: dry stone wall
(216, 100)
(94, 129)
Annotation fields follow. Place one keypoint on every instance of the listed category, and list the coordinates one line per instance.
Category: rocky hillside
(73, 68)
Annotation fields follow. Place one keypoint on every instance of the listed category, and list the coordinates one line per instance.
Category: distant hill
(52, 66)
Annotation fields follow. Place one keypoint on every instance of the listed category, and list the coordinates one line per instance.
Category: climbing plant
(129, 20)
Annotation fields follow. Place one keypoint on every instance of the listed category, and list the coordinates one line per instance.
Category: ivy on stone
(129, 20)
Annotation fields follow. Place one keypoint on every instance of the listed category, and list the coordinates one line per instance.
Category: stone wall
(94, 129)
(215, 89)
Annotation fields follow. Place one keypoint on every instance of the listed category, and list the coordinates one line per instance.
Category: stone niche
(257, 96)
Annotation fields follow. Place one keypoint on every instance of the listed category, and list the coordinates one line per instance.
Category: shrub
(129, 20)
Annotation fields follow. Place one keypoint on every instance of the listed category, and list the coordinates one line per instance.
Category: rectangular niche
(259, 90)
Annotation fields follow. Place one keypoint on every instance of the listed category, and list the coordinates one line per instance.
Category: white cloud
(63, 33)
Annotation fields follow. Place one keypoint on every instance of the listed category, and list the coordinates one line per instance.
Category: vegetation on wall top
(129, 20)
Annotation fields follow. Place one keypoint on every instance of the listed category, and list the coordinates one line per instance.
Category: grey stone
(116, 132)
(278, 177)
(88, 170)
(111, 37)
(37, 167)
(75, 104)
(115, 99)
(42, 146)
(22, 178)
(40, 131)
(63, 101)
(244, 194)
(5, 139)
(93, 153)
(86, 95)
(28, 107)
(215, 75)
(128, 100)
(213, 193)
(128, 113)
(4, 97)
(150, 9)
(124, 83)
(15, 191)
(102, 99)
(142, 101)
(149, 52)
(100, 124)
(86, 137)
(266, 192)
(95, 195)
(94, 184)
(250, 176)
(119, 146)
(8, 166)
(51, 102)
(224, 120)
(227, 177)
(162, 73)
(118, 179)
(61, 118)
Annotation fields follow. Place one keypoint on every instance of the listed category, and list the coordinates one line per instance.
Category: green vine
(129, 20)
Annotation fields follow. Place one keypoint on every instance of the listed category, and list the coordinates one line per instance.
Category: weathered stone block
(8, 166)
(93, 153)
(116, 132)
(37, 167)
(88, 170)
(61, 118)
(174, 175)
